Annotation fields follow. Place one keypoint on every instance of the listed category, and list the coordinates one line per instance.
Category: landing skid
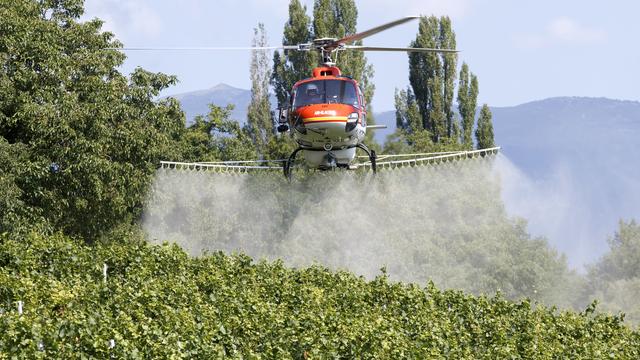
(289, 163)
(371, 154)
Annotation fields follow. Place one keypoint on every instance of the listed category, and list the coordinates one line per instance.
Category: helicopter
(326, 113)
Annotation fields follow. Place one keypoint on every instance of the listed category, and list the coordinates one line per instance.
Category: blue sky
(521, 51)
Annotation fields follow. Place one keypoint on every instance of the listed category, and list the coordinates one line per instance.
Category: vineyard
(85, 272)
(60, 298)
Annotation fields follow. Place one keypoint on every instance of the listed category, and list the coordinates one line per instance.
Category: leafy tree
(89, 138)
(216, 137)
(484, 132)
(467, 103)
(408, 123)
(396, 143)
(260, 118)
(337, 19)
(16, 217)
(437, 115)
(432, 76)
(615, 279)
(288, 68)
(293, 65)
(623, 260)
(407, 112)
(449, 65)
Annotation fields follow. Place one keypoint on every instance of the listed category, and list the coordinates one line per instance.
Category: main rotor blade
(403, 49)
(204, 48)
(373, 31)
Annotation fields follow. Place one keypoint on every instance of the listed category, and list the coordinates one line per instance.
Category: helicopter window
(326, 92)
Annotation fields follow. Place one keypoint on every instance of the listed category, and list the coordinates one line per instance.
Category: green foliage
(79, 143)
(467, 103)
(280, 147)
(623, 260)
(15, 217)
(425, 111)
(449, 64)
(260, 124)
(294, 65)
(156, 302)
(410, 136)
(88, 137)
(484, 131)
(216, 137)
(432, 76)
(615, 278)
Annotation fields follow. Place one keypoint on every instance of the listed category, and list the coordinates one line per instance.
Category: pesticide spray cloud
(576, 204)
(552, 207)
(444, 223)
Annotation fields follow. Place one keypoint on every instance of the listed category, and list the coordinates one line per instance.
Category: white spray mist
(444, 223)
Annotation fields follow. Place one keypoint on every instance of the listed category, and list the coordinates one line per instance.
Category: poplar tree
(438, 115)
(291, 66)
(449, 67)
(337, 19)
(484, 132)
(467, 103)
(260, 119)
(407, 113)
(432, 76)
(423, 67)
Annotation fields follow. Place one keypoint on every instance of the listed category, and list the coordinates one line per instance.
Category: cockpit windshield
(326, 92)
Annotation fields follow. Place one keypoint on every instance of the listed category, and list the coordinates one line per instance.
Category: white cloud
(126, 18)
(568, 30)
(561, 30)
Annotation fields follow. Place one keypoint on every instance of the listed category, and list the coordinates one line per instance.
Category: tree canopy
(87, 136)
(432, 79)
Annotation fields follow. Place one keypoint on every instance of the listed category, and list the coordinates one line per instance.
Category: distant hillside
(197, 102)
(567, 127)
(580, 159)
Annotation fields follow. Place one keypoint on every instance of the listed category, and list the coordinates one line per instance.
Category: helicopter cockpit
(326, 92)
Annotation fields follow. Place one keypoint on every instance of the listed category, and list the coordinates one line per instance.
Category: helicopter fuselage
(328, 118)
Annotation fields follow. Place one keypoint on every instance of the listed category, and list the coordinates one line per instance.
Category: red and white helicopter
(327, 116)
